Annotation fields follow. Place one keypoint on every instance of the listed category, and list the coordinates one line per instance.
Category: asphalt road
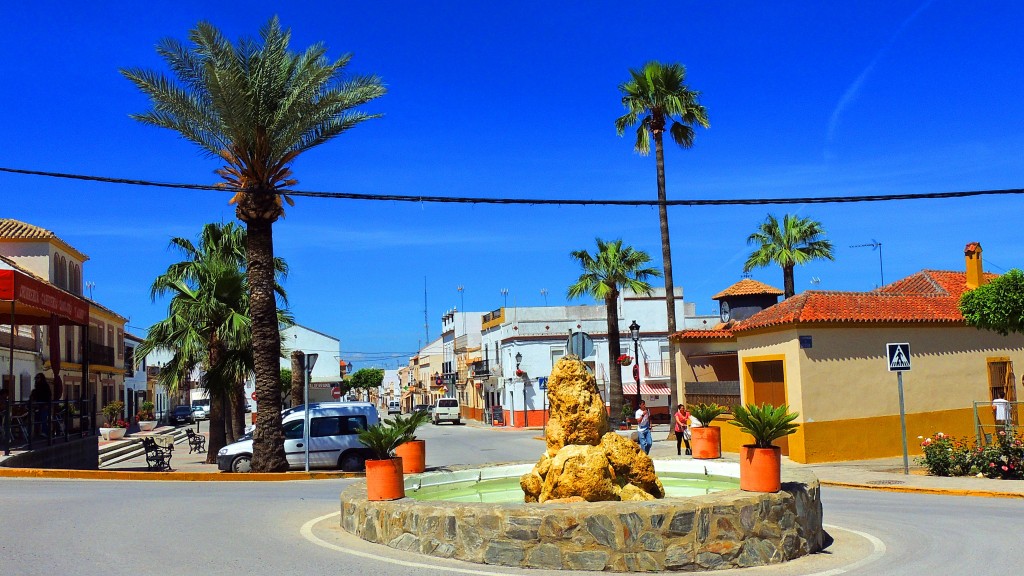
(113, 528)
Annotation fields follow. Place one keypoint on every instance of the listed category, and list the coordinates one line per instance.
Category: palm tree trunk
(237, 410)
(298, 365)
(216, 391)
(670, 290)
(616, 399)
(787, 279)
(229, 415)
(268, 440)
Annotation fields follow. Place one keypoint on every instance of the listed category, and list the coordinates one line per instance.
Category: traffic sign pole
(903, 423)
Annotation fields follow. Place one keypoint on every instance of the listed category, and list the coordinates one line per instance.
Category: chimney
(975, 274)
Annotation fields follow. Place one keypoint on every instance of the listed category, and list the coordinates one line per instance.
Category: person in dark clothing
(41, 397)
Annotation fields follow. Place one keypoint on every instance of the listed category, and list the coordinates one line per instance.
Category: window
(292, 430)
(129, 362)
(557, 352)
(336, 426)
(448, 403)
(25, 383)
(119, 344)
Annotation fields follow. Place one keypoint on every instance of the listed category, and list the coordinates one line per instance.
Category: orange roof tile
(748, 287)
(928, 296)
(11, 229)
(716, 334)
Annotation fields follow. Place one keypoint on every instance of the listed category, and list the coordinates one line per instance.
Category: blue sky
(518, 100)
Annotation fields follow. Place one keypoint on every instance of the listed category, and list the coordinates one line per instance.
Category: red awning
(653, 389)
(35, 301)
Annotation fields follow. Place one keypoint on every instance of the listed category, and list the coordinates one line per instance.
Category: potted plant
(626, 413)
(146, 418)
(413, 452)
(625, 360)
(115, 425)
(384, 479)
(761, 462)
(705, 439)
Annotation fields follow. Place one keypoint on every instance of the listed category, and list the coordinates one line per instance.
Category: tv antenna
(873, 245)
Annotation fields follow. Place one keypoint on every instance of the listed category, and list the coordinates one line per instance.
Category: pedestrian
(1001, 408)
(682, 429)
(643, 421)
(41, 395)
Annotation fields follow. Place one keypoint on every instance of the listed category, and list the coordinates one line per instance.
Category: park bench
(196, 442)
(157, 457)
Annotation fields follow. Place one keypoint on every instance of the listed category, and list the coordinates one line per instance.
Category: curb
(174, 476)
(924, 490)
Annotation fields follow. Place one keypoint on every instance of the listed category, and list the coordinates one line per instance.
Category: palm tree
(797, 241)
(256, 106)
(654, 95)
(208, 324)
(605, 273)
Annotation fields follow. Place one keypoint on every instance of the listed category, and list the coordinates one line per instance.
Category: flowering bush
(625, 360)
(946, 456)
(113, 412)
(145, 412)
(1003, 459)
(118, 423)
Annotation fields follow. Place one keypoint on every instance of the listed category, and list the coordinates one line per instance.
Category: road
(123, 528)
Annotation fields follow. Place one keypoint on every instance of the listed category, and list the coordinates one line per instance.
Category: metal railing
(27, 423)
(985, 427)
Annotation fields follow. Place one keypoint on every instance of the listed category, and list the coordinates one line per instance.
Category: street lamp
(519, 359)
(634, 332)
(310, 361)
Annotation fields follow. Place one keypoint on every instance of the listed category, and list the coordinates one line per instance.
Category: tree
(996, 306)
(654, 95)
(257, 106)
(607, 271)
(797, 241)
(367, 379)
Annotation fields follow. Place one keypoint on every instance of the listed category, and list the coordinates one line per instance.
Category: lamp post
(310, 361)
(634, 332)
(519, 359)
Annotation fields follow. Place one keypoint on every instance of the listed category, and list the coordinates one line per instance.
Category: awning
(35, 302)
(650, 389)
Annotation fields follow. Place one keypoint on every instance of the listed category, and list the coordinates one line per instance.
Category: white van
(394, 407)
(447, 409)
(333, 438)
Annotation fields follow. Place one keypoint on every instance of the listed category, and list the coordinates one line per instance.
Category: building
(57, 328)
(424, 384)
(823, 353)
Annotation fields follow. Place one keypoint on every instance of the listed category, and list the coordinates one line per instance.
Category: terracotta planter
(413, 455)
(706, 442)
(147, 425)
(760, 469)
(384, 480)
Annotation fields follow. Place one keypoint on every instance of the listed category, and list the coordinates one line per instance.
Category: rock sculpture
(584, 460)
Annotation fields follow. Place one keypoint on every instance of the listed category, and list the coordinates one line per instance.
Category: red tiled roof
(719, 334)
(12, 229)
(747, 287)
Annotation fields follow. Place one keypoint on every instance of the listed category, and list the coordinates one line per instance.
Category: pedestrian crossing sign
(898, 356)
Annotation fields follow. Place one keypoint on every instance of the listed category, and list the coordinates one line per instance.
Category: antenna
(90, 285)
(873, 245)
(544, 293)
(815, 280)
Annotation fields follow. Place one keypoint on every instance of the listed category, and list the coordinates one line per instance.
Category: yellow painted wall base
(863, 438)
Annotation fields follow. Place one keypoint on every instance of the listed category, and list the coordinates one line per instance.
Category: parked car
(200, 413)
(181, 415)
(447, 409)
(333, 438)
(394, 407)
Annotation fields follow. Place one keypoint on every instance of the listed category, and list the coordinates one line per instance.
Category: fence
(985, 428)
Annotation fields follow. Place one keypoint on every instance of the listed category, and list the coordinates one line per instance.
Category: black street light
(519, 359)
(634, 332)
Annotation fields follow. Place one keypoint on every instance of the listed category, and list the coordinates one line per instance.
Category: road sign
(253, 396)
(542, 383)
(336, 392)
(898, 356)
(580, 344)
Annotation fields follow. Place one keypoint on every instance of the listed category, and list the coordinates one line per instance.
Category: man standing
(1002, 409)
(643, 420)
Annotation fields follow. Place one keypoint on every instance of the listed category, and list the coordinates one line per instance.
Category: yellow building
(824, 354)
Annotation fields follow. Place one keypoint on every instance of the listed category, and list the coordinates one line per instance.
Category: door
(294, 448)
(331, 436)
(768, 386)
(1001, 384)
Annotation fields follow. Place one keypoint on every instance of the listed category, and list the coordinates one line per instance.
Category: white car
(333, 438)
(447, 409)
(200, 413)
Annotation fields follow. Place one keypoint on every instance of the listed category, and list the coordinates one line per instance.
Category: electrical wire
(541, 201)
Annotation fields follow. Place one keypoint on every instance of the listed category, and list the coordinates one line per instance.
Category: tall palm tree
(654, 95)
(797, 241)
(208, 326)
(605, 273)
(256, 105)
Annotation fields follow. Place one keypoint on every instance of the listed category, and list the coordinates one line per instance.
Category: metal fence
(986, 424)
(28, 424)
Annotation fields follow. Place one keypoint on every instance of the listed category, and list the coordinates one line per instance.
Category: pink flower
(1005, 469)
(1002, 433)
(991, 464)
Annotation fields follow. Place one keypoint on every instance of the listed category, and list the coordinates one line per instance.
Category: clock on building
(723, 308)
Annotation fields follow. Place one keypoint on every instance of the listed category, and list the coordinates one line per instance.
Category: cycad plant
(382, 439)
(765, 423)
(409, 424)
(706, 413)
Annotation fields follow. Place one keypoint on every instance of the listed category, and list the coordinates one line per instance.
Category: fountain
(593, 502)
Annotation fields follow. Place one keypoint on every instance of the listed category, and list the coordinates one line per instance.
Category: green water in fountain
(506, 490)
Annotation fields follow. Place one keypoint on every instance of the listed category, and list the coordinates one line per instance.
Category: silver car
(333, 439)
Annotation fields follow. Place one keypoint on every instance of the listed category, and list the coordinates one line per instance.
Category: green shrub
(706, 413)
(765, 423)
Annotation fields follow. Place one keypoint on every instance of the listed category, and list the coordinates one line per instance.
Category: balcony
(480, 368)
(101, 355)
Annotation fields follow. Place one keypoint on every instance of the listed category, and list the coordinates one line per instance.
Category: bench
(157, 457)
(196, 442)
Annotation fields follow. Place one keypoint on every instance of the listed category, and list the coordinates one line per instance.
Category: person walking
(41, 397)
(643, 421)
(682, 429)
